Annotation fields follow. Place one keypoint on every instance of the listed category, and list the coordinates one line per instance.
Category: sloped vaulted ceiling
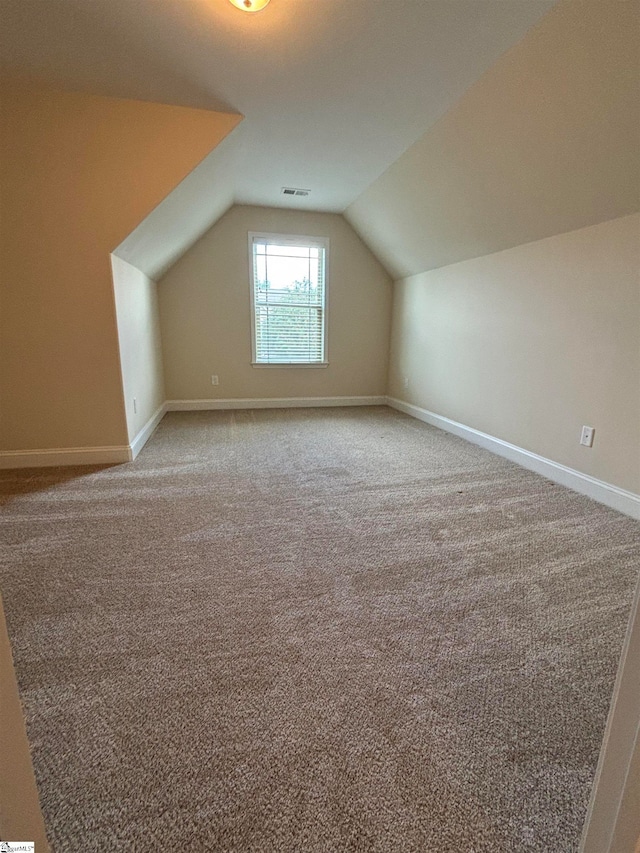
(332, 92)
(482, 149)
(546, 142)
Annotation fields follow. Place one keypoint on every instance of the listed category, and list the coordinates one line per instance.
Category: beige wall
(77, 174)
(140, 348)
(206, 322)
(530, 344)
(544, 143)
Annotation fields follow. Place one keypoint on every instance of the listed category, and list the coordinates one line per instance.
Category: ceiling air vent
(294, 191)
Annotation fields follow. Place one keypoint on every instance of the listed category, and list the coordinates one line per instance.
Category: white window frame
(289, 240)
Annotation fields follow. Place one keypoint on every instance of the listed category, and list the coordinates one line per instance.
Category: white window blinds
(289, 300)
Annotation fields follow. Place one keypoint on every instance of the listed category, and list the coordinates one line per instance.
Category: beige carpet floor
(312, 630)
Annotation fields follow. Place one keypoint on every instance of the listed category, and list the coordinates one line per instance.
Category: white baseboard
(64, 456)
(54, 457)
(605, 493)
(147, 431)
(272, 403)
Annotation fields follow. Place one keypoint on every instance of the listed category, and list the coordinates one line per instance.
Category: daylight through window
(288, 286)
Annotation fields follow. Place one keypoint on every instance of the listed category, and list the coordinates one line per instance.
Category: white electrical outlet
(214, 380)
(135, 406)
(586, 436)
(405, 382)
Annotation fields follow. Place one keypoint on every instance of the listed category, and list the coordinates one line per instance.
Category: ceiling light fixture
(249, 5)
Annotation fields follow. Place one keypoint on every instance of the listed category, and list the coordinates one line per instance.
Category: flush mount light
(249, 5)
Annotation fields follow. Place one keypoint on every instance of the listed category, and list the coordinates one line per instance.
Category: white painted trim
(55, 457)
(272, 403)
(290, 240)
(147, 431)
(287, 364)
(605, 493)
(612, 782)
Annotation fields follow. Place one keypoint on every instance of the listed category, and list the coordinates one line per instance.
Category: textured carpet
(313, 630)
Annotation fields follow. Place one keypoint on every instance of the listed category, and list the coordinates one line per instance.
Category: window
(288, 299)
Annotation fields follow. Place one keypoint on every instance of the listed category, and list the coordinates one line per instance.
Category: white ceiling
(333, 91)
(545, 143)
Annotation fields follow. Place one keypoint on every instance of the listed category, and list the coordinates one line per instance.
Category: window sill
(289, 364)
